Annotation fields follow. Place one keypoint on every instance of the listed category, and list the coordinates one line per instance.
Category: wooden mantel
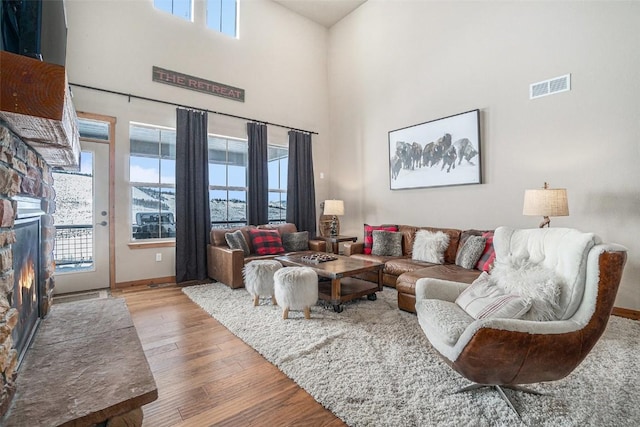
(35, 103)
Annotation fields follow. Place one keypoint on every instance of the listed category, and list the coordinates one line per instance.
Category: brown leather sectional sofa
(225, 264)
(403, 272)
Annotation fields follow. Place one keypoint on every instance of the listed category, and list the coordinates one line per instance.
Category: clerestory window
(181, 8)
(222, 16)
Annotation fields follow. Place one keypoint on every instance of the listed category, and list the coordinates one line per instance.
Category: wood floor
(206, 375)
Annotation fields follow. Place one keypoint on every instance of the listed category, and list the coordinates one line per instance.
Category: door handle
(102, 223)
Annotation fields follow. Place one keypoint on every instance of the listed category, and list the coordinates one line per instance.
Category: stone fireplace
(27, 236)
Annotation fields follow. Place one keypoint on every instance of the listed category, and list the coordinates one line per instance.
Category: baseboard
(155, 282)
(625, 312)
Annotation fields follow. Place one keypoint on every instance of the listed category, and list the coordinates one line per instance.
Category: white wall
(396, 64)
(279, 59)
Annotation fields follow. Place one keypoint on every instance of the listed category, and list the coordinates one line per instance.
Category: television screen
(34, 28)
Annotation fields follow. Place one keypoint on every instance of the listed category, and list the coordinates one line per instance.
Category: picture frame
(437, 153)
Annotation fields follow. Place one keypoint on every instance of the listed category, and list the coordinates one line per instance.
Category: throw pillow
(485, 263)
(531, 281)
(294, 242)
(470, 252)
(236, 240)
(266, 242)
(386, 243)
(429, 246)
(368, 235)
(482, 300)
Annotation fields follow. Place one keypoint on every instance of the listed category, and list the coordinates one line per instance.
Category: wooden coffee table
(339, 285)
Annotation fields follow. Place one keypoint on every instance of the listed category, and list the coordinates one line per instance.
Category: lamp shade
(334, 207)
(546, 202)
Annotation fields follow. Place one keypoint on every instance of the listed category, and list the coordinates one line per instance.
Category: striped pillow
(482, 300)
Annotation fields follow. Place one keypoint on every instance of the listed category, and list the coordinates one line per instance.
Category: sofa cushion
(386, 243)
(406, 282)
(266, 242)
(470, 252)
(294, 242)
(488, 255)
(402, 265)
(368, 235)
(217, 235)
(483, 300)
(236, 240)
(285, 227)
(374, 258)
(429, 246)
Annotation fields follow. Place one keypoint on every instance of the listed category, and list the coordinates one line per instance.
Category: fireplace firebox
(26, 291)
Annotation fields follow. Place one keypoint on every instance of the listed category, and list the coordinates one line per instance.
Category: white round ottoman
(296, 288)
(258, 279)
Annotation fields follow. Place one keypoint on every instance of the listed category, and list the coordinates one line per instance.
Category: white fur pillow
(429, 246)
(531, 281)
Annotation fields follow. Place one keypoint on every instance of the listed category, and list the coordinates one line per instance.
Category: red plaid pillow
(266, 242)
(488, 255)
(368, 235)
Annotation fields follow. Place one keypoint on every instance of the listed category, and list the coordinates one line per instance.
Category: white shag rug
(371, 365)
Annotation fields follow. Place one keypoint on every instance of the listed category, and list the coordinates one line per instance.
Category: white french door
(82, 222)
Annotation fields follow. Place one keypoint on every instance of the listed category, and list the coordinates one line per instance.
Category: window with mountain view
(278, 164)
(152, 166)
(152, 178)
(228, 160)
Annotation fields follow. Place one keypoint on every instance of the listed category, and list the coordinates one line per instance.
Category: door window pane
(74, 217)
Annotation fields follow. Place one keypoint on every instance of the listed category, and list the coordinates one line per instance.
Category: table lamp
(546, 202)
(334, 208)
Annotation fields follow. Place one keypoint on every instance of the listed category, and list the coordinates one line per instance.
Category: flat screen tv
(34, 28)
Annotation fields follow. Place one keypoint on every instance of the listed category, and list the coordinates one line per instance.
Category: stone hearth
(23, 173)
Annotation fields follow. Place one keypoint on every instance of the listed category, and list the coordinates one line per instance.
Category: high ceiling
(324, 12)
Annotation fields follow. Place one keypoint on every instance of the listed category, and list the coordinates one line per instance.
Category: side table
(335, 242)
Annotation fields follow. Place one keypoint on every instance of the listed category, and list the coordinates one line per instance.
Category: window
(228, 160)
(222, 15)
(181, 8)
(74, 214)
(152, 178)
(278, 164)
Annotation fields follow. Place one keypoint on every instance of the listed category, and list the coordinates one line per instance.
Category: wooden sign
(186, 81)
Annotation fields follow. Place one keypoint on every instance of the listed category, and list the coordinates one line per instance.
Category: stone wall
(23, 172)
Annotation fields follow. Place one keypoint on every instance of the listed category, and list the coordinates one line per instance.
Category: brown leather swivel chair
(505, 353)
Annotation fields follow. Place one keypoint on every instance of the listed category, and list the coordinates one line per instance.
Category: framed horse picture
(438, 153)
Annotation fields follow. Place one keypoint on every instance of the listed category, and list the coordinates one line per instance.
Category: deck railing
(74, 244)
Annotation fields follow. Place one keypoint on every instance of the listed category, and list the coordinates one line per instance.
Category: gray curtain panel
(193, 222)
(301, 193)
(258, 193)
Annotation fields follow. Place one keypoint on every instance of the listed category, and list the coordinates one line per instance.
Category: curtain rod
(144, 98)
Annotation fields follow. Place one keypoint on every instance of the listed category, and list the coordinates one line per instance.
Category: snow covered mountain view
(74, 199)
(74, 203)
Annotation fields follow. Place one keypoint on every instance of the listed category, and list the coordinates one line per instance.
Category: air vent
(549, 87)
